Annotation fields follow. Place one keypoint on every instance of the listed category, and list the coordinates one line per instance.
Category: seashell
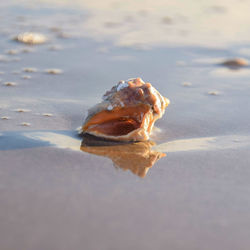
(47, 114)
(54, 71)
(10, 84)
(136, 157)
(127, 113)
(31, 38)
(25, 124)
(5, 118)
(235, 63)
(30, 70)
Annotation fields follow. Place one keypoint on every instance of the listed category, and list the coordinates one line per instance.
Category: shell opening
(117, 122)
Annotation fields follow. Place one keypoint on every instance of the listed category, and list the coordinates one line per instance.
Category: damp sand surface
(59, 192)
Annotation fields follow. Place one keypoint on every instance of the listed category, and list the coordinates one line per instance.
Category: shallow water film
(185, 189)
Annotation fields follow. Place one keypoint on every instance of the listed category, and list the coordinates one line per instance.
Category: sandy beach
(185, 190)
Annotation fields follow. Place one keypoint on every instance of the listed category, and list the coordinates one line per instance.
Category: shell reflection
(137, 157)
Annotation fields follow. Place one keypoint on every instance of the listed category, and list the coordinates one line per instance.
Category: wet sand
(53, 195)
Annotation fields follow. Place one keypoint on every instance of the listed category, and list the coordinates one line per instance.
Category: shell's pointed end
(167, 101)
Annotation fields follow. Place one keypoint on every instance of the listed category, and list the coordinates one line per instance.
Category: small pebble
(235, 63)
(21, 110)
(5, 118)
(63, 35)
(27, 50)
(25, 124)
(186, 84)
(236, 140)
(15, 72)
(12, 52)
(30, 70)
(55, 47)
(1, 72)
(167, 20)
(10, 84)
(55, 29)
(26, 77)
(213, 92)
(53, 71)
(47, 114)
(31, 38)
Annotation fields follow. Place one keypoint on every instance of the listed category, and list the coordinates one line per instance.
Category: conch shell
(127, 113)
(136, 157)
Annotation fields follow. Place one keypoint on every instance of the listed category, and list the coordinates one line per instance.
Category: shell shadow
(13, 140)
